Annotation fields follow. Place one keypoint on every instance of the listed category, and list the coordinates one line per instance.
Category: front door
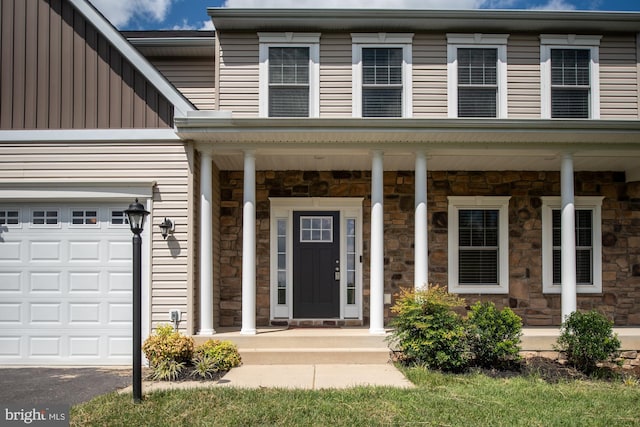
(316, 264)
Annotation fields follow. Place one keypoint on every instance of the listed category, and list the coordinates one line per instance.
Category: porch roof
(452, 144)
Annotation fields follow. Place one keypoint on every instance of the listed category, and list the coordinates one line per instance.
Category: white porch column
(376, 303)
(568, 238)
(249, 246)
(421, 257)
(206, 247)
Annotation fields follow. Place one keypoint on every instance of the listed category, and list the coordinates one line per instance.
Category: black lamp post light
(137, 214)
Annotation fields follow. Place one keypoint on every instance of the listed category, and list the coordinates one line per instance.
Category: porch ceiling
(451, 144)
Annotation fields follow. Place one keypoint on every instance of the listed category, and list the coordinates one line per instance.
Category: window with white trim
(45, 217)
(588, 237)
(10, 218)
(479, 244)
(382, 73)
(477, 75)
(570, 87)
(289, 74)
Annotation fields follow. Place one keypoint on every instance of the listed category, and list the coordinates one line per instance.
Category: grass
(439, 399)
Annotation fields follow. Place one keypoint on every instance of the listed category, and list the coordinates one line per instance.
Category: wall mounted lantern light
(165, 227)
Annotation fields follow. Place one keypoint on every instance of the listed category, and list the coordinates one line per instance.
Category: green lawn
(438, 399)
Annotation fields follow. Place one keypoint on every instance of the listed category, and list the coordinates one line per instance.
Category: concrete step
(307, 346)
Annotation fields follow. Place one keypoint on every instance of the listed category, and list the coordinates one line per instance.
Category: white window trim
(488, 41)
(501, 203)
(283, 208)
(593, 203)
(569, 41)
(383, 40)
(309, 40)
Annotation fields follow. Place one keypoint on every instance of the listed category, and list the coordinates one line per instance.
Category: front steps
(314, 346)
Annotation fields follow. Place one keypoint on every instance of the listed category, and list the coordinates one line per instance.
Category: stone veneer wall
(620, 299)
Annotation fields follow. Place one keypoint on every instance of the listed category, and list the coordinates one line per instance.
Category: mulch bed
(553, 371)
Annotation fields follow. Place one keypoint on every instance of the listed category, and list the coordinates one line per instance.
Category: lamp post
(137, 214)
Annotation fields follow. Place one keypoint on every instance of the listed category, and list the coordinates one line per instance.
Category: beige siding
(618, 77)
(166, 163)
(58, 72)
(335, 75)
(239, 74)
(523, 76)
(194, 77)
(429, 76)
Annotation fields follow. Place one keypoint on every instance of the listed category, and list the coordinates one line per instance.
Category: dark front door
(316, 265)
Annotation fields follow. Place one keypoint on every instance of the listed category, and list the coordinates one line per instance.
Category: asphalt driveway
(59, 386)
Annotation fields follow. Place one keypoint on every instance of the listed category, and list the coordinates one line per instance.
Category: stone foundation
(628, 359)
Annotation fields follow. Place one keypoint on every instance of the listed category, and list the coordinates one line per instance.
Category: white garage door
(65, 284)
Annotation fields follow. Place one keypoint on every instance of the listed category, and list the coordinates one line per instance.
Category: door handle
(336, 275)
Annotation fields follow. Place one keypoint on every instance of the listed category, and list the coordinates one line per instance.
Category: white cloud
(120, 12)
(555, 5)
(207, 25)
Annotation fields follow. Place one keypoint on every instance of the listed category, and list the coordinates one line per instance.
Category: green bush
(587, 339)
(223, 355)
(494, 335)
(167, 345)
(167, 370)
(428, 331)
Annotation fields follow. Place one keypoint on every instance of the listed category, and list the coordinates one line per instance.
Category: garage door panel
(49, 346)
(84, 313)
(49, 251)
(10, 251)
(65, 289)
(10, 313)
(49, 281)
(84, 282)
(119, 251)
(10, 347)
(10, 282)
(45, 313)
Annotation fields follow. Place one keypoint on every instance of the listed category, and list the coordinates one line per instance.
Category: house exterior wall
(618, 75)
(193, 77)
(88, 83)
(168, 164)
(620, 228)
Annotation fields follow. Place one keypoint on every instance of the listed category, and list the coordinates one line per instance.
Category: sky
(192, 14)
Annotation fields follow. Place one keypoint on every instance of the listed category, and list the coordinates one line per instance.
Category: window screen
(477, 82)
(478, 247)
(570, 84)
(382, 82)
(288, 82)
(584, 247)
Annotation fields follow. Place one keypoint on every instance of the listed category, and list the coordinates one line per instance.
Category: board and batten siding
(193, 77)
(168, 164)
(58, 72)
(239, 74)
(618, 77)
(429, 75)
(523, 76)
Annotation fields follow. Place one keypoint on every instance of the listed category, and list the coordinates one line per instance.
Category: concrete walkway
(308, 377)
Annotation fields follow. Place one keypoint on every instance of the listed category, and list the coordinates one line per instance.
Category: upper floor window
(477, 75)
(588, 244)
(382, 75)
(289, 83)
(478, 244)
(570, 76)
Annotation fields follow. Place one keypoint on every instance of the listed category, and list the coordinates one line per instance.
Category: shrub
(587, 339)
(167, 345)
(204, 366)
(223, 354)
(494, 335)
(167, 370)
(428, 331)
